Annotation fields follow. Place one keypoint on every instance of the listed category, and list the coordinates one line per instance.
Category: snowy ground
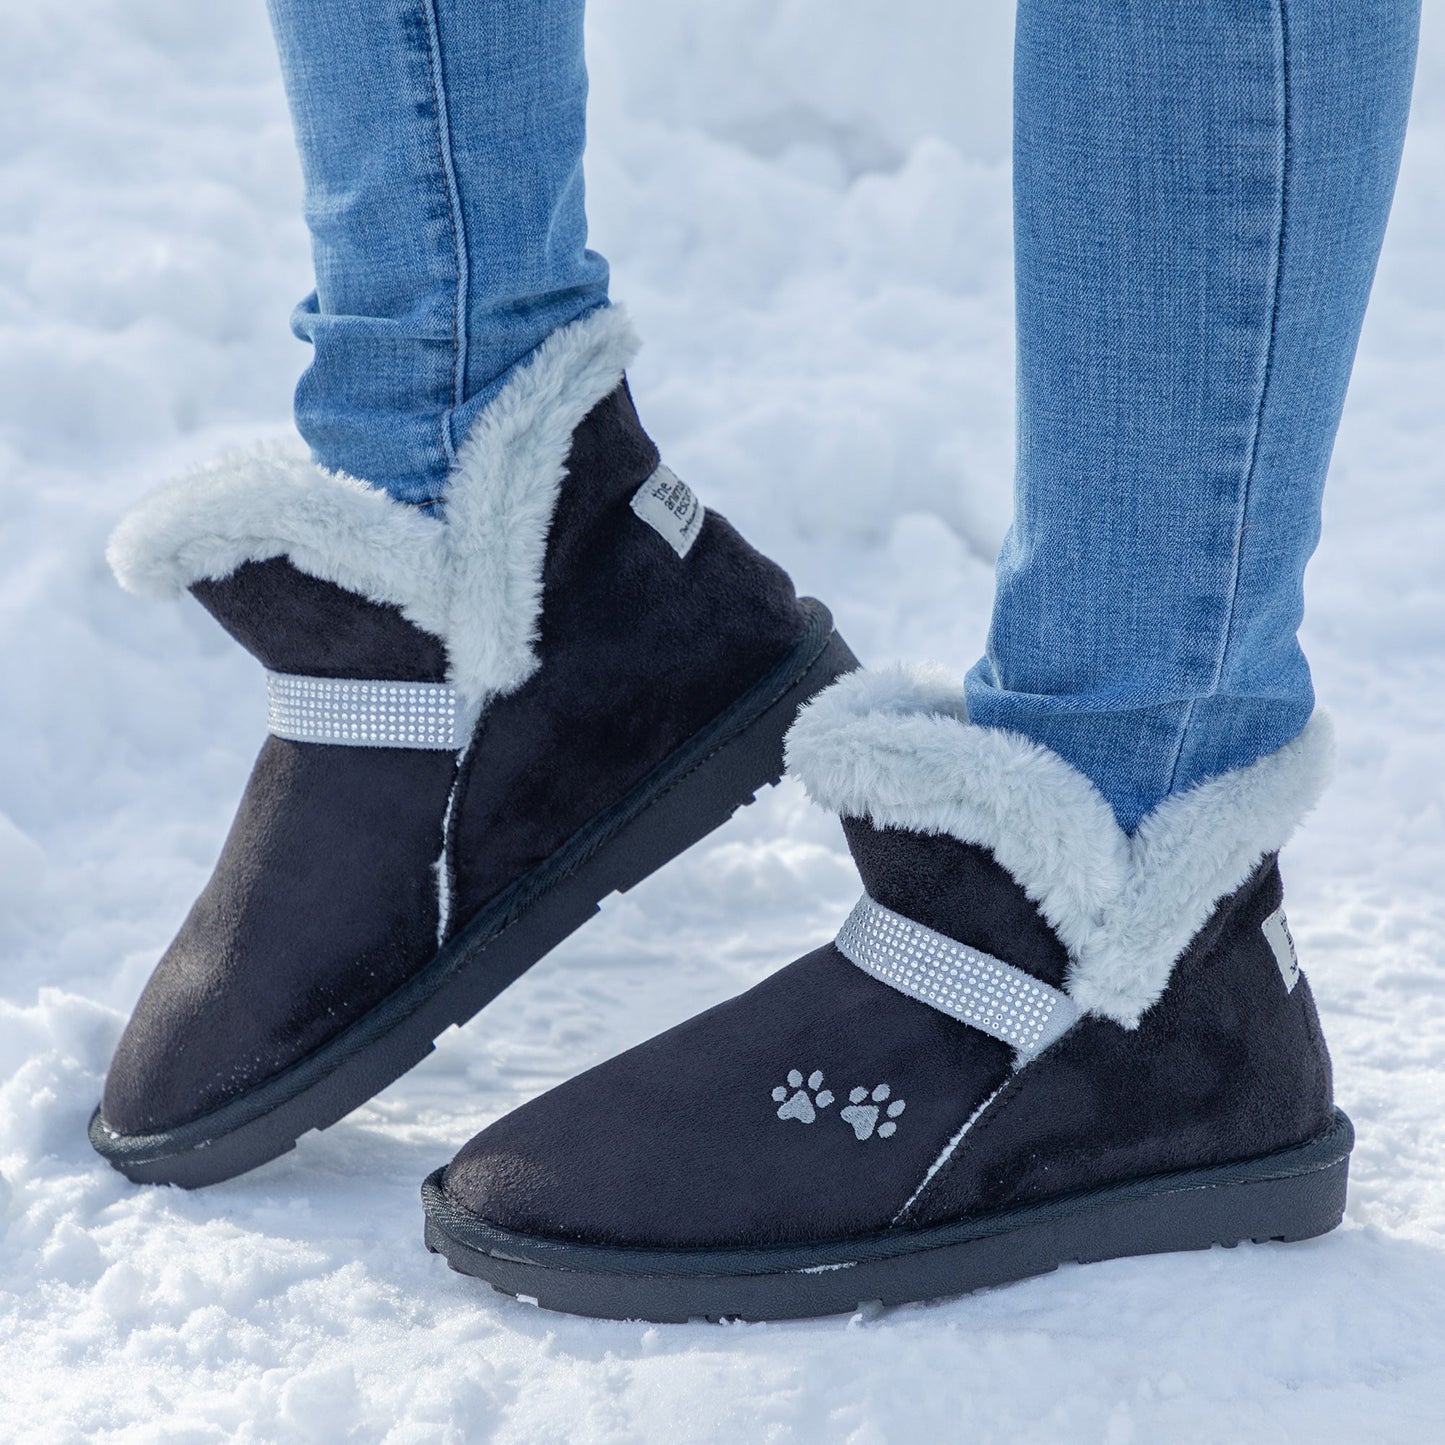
(806, 206)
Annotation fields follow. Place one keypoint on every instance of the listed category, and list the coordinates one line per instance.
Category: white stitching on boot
(865, 1107)
(796, 1102)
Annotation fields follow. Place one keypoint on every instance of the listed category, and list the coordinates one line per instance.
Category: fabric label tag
(669, 507)
(1277, 935)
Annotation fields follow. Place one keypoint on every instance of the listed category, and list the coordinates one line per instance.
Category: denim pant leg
(1201, 191)
(441, 144)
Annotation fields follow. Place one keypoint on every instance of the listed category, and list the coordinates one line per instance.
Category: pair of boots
(1036, 1038)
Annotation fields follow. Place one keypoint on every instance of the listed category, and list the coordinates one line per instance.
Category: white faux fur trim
(896, 747)
(474, 580)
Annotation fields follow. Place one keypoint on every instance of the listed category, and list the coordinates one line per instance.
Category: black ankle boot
(1036, 1039)
(480, 727)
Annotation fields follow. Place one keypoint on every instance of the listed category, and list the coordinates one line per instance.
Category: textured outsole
(692, 792)
(1294, 1194)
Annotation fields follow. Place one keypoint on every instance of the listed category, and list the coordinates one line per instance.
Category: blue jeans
(1201, 191)
(1200, 194)
(441, 145)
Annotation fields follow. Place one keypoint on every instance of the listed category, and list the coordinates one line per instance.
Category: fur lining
(474, 580)
(896, 747)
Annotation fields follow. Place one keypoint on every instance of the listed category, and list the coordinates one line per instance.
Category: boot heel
(1294, 1194)
(1303, 1207)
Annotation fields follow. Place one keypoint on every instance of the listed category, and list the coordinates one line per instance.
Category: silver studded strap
(357, 713)
(971, 986)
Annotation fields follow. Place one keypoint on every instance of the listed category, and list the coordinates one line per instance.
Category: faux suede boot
(480, 726)
(1036, 1039)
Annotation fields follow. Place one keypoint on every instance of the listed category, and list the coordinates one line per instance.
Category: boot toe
(808, 1108)
(189, 1048)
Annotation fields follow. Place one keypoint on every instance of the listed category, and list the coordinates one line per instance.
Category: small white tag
(1277, 935)
(669, 507)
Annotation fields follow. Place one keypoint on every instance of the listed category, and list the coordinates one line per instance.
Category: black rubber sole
(1295, 1194)
(692, 792)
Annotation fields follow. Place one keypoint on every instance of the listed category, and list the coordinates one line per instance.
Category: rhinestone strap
(971, 986)
(356, 713)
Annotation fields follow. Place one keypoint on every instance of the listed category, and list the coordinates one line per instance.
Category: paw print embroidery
(802, 1104)
(863, 1110)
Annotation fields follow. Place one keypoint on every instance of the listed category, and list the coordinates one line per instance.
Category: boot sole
(692, 792)
(1296, 1193)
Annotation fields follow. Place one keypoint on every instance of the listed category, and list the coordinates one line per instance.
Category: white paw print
(800, 1103)
(863, 1110)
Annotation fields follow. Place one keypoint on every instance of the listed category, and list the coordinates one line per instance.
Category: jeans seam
(1267, 375)
(457, 379)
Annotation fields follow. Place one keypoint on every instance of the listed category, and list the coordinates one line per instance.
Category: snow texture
(806, 206)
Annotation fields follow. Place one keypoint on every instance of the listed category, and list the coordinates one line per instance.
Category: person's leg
(1201, 192)
(1045, 1033)
(441, 144)
(484, 716)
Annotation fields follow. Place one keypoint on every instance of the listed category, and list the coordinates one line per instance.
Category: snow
(806, 206)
